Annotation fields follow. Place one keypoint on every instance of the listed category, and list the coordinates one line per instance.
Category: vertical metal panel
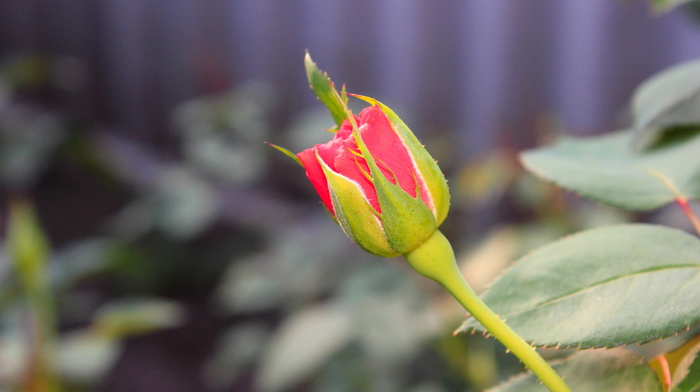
(584, 27)
(124, 57)
(485, 77)
(482, 69)
(18, 29)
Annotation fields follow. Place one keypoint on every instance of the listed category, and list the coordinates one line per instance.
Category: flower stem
(688, 211)
(29, 252)
(435, 260)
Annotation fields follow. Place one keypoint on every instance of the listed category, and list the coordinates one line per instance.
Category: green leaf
(234, 352)
(86, 357)
(304, 343)
(606, 169)
(28, 246)
(595, 371)
(135, 316)
(691, 382)
(29, 252)
(322, 86)
(681, 364)
(667, 5)
(606, 287)
(668, 99)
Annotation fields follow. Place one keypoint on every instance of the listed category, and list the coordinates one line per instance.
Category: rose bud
(378, 182)
(389, 196)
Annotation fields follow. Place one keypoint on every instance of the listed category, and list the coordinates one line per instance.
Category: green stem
(435, 260)
(688, 211)
(29, 251)
(44, 318)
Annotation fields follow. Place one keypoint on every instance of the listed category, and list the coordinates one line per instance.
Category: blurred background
(186, 255)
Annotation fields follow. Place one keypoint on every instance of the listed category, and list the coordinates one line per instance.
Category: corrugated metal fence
(475, 67)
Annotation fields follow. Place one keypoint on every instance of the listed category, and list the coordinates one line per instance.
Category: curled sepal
(355, 216)
(286, 152)
(430, 175)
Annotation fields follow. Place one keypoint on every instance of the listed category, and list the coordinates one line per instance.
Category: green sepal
(408, 221)
(322, 86)
(428, 168)
(355, 216)
(286, 152)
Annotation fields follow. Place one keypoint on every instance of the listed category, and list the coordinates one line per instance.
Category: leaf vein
(664, 180)
(589, 288)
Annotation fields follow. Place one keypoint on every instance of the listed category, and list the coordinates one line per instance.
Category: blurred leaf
(28, 246)
(349, 371)
(669, 98)
(87, 357)
(656, 100)
(660, 137)
(488, 260)
(381, 321)
(303, 261)
(135, 316)
(606, 169)
(668, 5)
(383, 300)
(474, 359)
(488, 178)
(5, 92)
(236, 350)
(81, 260)
(668, 345)
(305, 342)
(606, 287)
(590, 215)
(595, 371)
(248, 285)
(28, 139)
(185, 205)
(181, 206)
(5, 272)
(29, 251)
(15, 353)
(427, 387)
(322, 86)
(305, 130)
(135, 219)
(683, 367)
(691, 382)
(223, 134)
(25, 70)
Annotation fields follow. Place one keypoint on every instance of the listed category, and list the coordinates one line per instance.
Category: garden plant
(623, 299)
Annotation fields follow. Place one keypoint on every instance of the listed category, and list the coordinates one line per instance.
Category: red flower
(377, 180)
(343, 156)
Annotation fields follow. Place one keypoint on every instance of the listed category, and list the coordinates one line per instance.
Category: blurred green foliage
(218, 259)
